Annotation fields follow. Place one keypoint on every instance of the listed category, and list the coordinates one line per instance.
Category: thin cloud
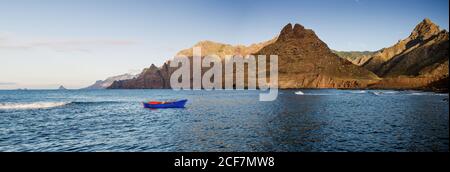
(81, 45)
(8, 83)
(4, 35)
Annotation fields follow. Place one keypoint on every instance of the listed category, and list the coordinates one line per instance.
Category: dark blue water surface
(319, 120)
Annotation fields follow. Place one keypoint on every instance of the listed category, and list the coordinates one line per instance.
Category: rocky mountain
(158, 78)
(220, 49)
(419, 61)
(356, 57)
(152, 78)
(306, 62)
(424, 36)
(102, 84)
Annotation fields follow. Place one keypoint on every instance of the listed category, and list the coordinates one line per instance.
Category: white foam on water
(390, 92)
(299, 93)
(31, 105)
(427, 94)
(359, 92)
(419, 94)
(314, 94)
(377, 93)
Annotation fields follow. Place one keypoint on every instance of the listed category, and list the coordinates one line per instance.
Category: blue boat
(157, 105)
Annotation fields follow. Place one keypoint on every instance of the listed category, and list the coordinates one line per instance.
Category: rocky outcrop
(152, 77)
(415, 62)
(426, 41)
(440, 85)
(102, 84)
(356, 57)
(159, 78)
(210, 47)
(62, 88)
(306, 62)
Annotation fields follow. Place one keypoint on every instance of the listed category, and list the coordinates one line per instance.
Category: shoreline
(394, 89)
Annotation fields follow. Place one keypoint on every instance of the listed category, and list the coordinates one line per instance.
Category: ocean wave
(47, 105)
(95, 102)
(299, 93)
(318, 94)
(359, 92)
(427, 94)
(379, 93)
(31, 105)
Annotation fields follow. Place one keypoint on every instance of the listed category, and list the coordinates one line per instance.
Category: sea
(316, 120)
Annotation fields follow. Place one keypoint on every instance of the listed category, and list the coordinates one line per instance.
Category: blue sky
(47, 43)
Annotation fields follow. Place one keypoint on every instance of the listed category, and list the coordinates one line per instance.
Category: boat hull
(176, 104)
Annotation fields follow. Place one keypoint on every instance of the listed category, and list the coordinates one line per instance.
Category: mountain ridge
(305, 61)
(416, 62)
(103, 84)
(420, 35)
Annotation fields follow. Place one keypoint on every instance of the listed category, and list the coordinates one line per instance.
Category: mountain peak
(206, 43)
(61, 88)
(153, 67)
(427, 20)
(292, 32)
(287, 29)
(425, 29)
(298, 28)
(305, 61)
(286, 32)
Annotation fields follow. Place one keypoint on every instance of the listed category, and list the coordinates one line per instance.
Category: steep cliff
(152, 77)
(415, 62)
(425, 46)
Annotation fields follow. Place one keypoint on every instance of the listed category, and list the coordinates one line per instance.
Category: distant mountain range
(159, 78)
(417, 62)
(103, 84)
(356, 57)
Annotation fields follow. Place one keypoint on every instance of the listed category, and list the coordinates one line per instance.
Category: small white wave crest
(299, 93)
(427, 94)
(31, 105)
(359, 92)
